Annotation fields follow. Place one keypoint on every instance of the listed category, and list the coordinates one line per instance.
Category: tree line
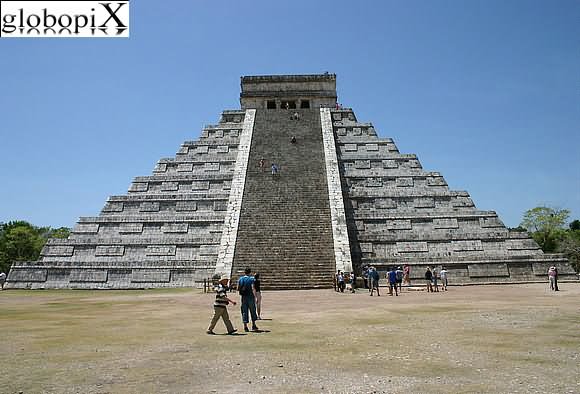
(22, 241)
(547, 226)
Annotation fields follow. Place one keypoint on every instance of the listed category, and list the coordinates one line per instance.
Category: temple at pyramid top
(296, 188)
(288, 91)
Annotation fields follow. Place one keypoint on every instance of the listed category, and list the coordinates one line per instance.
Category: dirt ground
(476, 339)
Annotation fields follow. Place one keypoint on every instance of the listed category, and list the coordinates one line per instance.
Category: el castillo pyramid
(341, 199)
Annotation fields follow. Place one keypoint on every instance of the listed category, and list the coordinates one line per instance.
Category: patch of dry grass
(490, 339)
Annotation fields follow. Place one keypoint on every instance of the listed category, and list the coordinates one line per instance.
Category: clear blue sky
(485, 92)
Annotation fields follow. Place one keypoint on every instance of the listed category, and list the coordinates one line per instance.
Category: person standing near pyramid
(220, 306)
(246, 289)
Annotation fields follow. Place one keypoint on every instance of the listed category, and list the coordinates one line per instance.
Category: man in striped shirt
(220, 306)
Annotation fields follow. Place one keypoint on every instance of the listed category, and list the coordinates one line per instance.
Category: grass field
(478, 339)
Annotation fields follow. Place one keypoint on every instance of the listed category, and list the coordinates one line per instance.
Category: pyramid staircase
(285, 231)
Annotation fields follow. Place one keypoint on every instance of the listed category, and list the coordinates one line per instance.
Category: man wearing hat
(220, 306)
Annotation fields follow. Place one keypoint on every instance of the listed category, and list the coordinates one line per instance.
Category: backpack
(245, 288)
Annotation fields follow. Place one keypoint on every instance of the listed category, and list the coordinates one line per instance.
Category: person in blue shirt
(392, 274)
(246, 289)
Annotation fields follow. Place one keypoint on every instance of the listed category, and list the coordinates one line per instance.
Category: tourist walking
(552, 277)
(374, 280)
(220, 306)
(258, 295)
(443, 276)
(556, 280)
(428, 280)
(407, 274)
(400, 275)
(352, 282)
(274, 169)
(435, 285)
(246, 290)
(392, 276)
(340, 281)
(2, 280)
(262, 165)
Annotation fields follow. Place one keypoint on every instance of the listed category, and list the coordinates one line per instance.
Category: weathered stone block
(109, 250)
(160, 167)
(390, 164)
(185, 167)
(372, 147)
(442, 223)
(139, 187)
(182, 206)
(88, 275)
(350, 147)
(200, 185)
(436, 181)
(212, 166)
(362, 164)
(424, 202)
(366, 247)
(488, 270)
(461, 201)
(150, 275)
(161, 250)
(220, 205)
(28, 275)
(61, 251)
(113, 207)
(130, 228)
(169, 186)
(467, 245)
(399, 224)
(411, 247)
(374, 182)
(86, 228)
(404, 182)
(149, 206)
(174, 228)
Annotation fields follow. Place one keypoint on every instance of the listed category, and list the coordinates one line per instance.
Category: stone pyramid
(341, 198)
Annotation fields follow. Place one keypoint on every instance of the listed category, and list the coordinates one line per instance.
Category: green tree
(574, 225)
(22, 241)
(570, 247)
(61, 232)
(546, 225)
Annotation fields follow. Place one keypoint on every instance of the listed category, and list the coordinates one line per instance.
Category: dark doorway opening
(271, 104)
(305, 104)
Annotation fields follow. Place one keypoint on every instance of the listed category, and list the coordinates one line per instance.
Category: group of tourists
(343, 281)
(432, 279)
(396, 277)
(249, 288)
(275, 168)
